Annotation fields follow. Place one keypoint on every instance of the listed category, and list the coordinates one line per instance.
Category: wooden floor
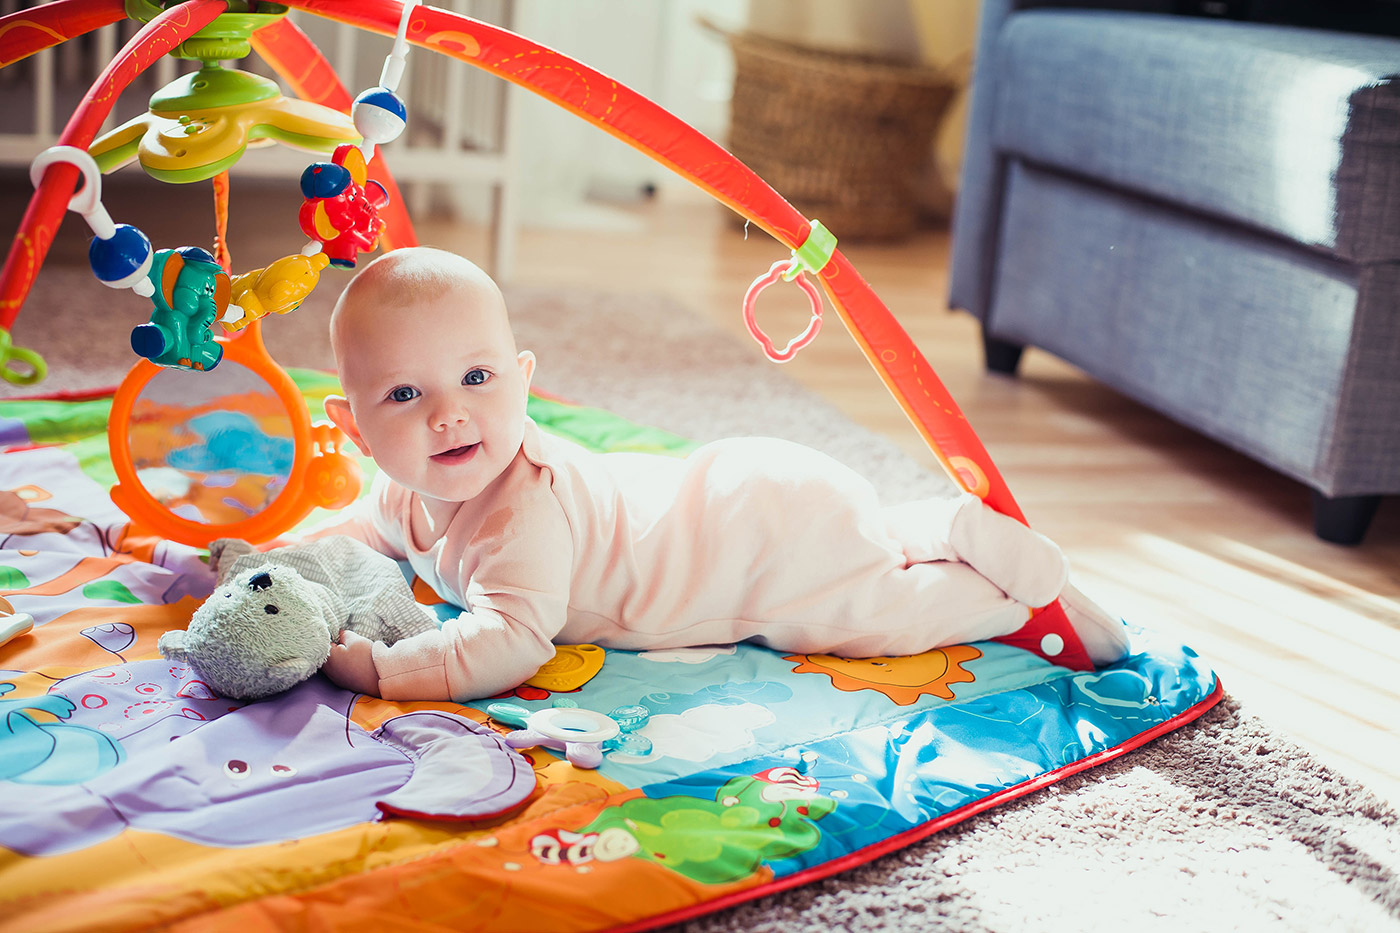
(1171, 531)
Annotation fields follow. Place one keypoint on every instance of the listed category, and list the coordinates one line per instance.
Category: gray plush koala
(273, 617)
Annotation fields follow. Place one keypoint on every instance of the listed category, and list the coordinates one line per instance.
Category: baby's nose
(449, 415)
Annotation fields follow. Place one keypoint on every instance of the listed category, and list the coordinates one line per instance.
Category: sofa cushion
(1290, 130)
(1229, 331)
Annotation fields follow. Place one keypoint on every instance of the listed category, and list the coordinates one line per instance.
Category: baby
(745, 539)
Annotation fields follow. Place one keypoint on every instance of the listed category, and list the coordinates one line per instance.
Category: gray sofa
(1202, 212)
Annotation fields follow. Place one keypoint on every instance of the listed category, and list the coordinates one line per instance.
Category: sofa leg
(1343, 520)
(1002, 356)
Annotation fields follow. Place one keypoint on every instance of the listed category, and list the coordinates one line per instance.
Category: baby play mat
(131, 796)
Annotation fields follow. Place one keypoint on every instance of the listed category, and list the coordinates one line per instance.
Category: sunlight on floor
(1316, 656)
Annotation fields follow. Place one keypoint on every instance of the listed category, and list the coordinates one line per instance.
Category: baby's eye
(403, 394)
(475, 377)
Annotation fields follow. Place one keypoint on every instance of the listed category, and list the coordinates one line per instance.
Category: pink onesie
(749, 538)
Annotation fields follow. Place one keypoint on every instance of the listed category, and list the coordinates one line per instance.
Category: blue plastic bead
(324, 180)
(379, 115)
(630, 718)
(121, 257)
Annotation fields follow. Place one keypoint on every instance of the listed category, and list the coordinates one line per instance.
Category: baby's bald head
(390, 286)
(435, 389)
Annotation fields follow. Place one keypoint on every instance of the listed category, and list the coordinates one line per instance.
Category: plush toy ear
(224, 554)
(172, 646)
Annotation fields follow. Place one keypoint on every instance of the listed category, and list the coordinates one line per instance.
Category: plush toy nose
(261, 582)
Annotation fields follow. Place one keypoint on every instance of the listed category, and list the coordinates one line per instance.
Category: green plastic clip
(9, 353)
(814, 253)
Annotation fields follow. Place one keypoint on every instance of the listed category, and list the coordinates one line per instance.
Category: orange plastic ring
(291, 505)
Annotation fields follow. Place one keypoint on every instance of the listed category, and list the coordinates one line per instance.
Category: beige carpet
(1222, 825)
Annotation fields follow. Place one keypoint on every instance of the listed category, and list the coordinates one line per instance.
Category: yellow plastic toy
(571, 667)
(277, 289)
(200, 124)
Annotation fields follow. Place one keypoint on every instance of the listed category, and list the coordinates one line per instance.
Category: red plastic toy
(341, 210)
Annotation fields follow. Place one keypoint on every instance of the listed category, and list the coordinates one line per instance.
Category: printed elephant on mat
(220, 773)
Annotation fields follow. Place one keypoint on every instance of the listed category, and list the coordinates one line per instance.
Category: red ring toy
(776, 271)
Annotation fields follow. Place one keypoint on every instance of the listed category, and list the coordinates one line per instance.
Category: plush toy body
(273, 617)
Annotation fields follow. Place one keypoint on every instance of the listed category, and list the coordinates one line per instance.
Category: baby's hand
(351, 664)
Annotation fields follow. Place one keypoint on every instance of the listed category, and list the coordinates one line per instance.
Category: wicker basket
(843, 137)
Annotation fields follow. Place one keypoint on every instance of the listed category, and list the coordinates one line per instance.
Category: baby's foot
(1022, 563)
(1105, 638)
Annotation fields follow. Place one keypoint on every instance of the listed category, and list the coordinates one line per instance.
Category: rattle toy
(341, 210)
(193, 293)
(581, 734)
(13, 624)
(276, 289)
(195, 128)
(814, 253)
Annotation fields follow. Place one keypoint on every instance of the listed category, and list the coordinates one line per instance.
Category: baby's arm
(351, 664)
(516, 578)
(478, 654)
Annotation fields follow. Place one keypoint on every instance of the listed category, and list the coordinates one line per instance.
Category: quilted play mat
(132, 796)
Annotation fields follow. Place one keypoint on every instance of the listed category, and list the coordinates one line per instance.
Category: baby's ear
(338, 410)
(526, 361)
(172, 646)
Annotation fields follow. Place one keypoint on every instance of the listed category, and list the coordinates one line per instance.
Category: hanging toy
(120, 254)
(277, 289)
(341, 210)
(379, 113)
(192, 292)
(812, 256)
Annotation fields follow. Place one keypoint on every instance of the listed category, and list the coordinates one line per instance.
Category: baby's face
(438, 391)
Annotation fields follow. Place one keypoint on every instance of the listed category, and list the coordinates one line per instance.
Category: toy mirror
(226, 453)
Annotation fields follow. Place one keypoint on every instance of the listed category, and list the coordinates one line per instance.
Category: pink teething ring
(779, 270)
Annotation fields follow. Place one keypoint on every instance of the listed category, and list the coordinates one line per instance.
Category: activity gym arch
(195, 132)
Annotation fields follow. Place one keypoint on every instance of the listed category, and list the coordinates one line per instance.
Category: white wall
(567, 166)
(570, 171)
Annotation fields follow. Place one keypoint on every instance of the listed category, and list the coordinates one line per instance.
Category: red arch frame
(614, 108)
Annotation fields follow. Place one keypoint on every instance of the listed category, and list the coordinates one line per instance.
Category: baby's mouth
(457, 454)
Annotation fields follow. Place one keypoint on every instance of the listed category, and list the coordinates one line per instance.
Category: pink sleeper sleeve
(514, 568)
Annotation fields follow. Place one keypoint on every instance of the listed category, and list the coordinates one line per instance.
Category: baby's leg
(1023, 563)
(871, 607)
(853, 577)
